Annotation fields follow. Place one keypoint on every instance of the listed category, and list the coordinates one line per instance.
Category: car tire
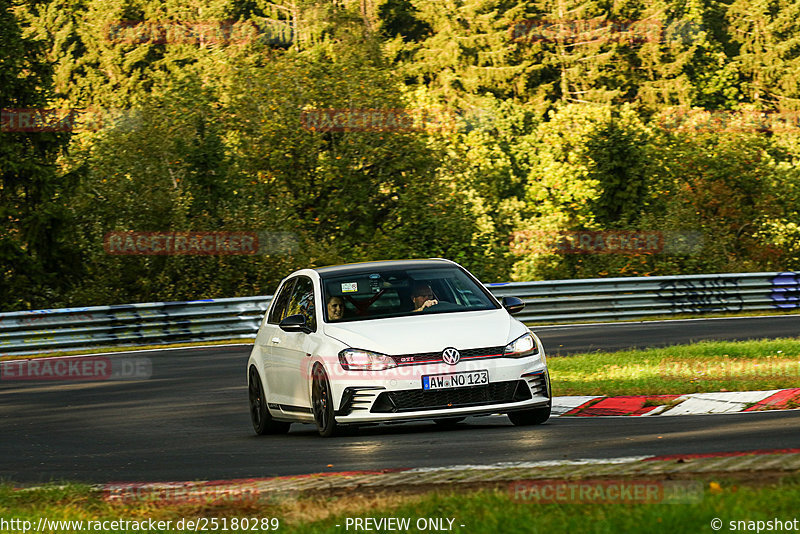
(322, 403)
(537, 416)
(262, 420)
(448, 422)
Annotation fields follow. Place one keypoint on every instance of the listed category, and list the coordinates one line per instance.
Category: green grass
(701, 367)
(488, 510)
(495, 512)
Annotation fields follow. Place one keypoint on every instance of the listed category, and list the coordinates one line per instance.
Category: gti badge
(451, 356)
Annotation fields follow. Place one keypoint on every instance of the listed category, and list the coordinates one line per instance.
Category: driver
(423, 297)
(335, 308)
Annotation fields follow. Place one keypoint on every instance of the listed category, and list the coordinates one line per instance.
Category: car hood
(429, 332)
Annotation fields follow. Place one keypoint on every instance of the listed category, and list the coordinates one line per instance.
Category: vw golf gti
(392, 341)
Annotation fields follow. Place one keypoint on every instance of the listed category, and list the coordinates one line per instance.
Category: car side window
(281, 300)
(302, 301)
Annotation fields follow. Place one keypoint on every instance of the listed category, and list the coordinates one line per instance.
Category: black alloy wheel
(536, 416)
(263, 423)
(322, 403)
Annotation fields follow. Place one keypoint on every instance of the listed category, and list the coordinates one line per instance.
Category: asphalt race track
(190, 421)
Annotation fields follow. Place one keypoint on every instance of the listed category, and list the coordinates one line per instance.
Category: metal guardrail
(161, 322)
(546, 302)
(611, 299)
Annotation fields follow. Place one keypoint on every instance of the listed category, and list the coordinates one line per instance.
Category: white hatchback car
(392, 341)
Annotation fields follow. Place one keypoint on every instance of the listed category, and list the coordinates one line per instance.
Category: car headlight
(524, 345)
(364, 360)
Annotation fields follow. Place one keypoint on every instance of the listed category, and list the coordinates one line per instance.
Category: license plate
(455, 380)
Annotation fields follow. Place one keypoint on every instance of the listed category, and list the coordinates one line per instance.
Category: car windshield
(377, 293)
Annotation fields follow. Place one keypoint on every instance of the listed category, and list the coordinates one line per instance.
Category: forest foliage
(484, 131)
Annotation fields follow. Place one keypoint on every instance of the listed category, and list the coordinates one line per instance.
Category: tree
(469, 48)
(729, 186)
(766, 34)
(589, 173)
(37, 262)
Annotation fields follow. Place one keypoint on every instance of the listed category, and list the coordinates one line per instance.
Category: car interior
(389, 294)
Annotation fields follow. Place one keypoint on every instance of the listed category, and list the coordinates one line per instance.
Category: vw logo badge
(451, 356)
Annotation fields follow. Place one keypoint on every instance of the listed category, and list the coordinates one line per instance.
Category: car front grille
(442, 399)
(435, 357)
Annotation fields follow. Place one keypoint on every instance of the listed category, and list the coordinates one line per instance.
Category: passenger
(423, 297)
(335, 308)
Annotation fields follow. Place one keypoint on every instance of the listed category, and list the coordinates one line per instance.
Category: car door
(291, 350)
(270, 334)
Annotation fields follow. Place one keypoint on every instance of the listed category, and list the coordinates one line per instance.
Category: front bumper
(384, 396)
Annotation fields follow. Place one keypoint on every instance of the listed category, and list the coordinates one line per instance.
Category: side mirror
(295, 323)
(511, 304)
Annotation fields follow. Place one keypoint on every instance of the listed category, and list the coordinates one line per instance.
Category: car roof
(354, 268)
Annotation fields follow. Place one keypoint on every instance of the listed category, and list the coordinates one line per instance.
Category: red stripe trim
(401, 364)
(776, 401)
